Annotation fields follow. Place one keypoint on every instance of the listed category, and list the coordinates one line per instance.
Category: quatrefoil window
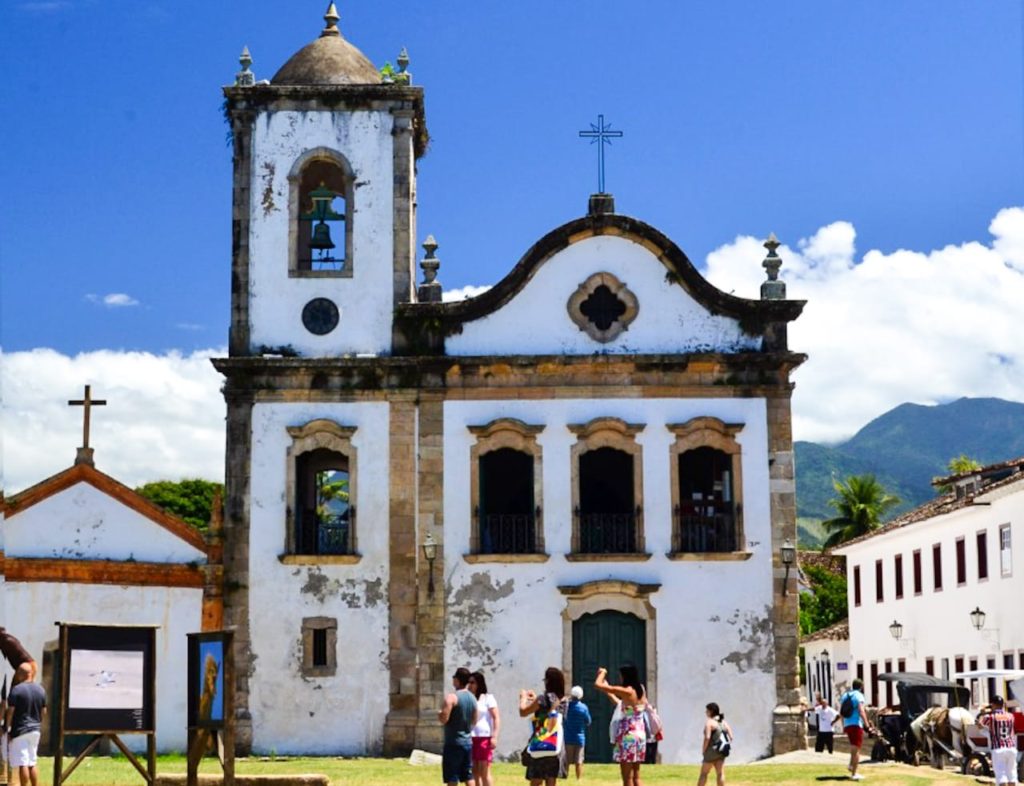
(603, 307)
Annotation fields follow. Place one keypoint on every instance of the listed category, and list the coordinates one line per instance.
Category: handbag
(548, 738)
(613, 725)
(653, 721)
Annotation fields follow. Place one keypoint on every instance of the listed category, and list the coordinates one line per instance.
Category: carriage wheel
(976, 764)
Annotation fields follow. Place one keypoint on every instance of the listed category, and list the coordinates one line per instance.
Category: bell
(321, 240)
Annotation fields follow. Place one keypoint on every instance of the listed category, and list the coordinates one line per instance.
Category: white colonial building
(80, 547)
(939, 589)
(591, 463)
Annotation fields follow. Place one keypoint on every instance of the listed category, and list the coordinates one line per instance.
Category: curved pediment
(602, 283)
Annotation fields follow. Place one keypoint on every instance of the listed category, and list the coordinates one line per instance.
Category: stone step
(207, 779)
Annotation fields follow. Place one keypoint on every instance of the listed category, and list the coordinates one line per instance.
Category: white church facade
(588, 464)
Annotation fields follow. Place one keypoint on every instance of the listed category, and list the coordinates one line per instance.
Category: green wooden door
(609, 639)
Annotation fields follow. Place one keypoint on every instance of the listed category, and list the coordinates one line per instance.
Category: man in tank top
(458, 715)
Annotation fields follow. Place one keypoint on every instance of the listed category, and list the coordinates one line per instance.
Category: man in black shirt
(25, 711)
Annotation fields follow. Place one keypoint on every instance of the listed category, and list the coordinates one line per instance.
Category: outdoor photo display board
(210, 683)
(208, 655)
(110, 678)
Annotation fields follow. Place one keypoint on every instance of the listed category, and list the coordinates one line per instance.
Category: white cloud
(113, 300)
(924, 327)
(164, 417)
(463, 293)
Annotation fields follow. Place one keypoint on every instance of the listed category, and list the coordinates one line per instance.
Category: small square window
(319, 646)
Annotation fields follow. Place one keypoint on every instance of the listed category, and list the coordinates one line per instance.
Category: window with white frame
(1005, 551)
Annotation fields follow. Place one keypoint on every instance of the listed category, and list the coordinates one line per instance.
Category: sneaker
(857, 777)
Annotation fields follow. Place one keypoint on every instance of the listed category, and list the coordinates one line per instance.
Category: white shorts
(1004, 765)
(23, 750)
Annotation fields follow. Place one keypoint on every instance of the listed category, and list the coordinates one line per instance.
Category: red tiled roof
(838, 631)
(947, 503)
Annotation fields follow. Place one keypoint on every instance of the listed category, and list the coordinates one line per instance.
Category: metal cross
(601, 134)
(87, 403)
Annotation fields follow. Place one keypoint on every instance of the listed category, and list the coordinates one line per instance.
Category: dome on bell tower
(329, 60)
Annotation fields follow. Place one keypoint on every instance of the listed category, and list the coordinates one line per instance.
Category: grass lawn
(391, 772)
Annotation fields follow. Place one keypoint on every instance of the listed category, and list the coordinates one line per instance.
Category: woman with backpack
(717, 745)
(630, 735)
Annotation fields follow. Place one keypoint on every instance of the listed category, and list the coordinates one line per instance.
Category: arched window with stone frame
(607, 488)
(321, 492)
(506, 482)
(320, 208)
(707, 488)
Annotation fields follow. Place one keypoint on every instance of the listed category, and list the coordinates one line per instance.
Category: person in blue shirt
(854, 725)
(577, 720)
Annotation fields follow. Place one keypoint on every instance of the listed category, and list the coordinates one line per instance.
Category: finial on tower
(403, 76)
(430, 290)
(772, 288)
(331, 18)
(245, 77)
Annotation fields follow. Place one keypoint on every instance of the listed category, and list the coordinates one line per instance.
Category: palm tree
(861, 502)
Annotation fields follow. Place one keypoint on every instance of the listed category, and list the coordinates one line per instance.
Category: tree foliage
(826, 603)
(860, 502)
(190, 500)
(958, 465)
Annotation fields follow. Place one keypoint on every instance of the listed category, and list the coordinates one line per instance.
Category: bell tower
(323, 210)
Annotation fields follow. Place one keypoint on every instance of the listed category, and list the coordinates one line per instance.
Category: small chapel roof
(329, 60)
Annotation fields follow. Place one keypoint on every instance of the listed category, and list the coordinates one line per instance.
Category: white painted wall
(343, 714)
(32, 608)
(365, 300)
(837, 671)
(506, 618)
(82, 522)
(536, 320)
(937, 624)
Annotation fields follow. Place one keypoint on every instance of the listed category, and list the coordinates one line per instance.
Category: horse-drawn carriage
(928, 723)
(977, 759)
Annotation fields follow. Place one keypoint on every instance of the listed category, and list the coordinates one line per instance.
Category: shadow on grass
(832, 778)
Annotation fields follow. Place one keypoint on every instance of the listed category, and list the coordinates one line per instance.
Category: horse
(945, 726)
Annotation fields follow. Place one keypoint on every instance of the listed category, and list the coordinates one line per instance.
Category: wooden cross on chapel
(84, 453)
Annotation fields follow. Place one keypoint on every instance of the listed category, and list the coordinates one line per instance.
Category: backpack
(724, 742)
(847, 708)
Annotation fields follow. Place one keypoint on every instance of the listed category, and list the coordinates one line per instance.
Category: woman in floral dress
(630, 736)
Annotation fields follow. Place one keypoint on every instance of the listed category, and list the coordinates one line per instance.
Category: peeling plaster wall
(364, 300)
(714, 635)
(32, 608)
(82, 522)
(937, 624)
(669, 319)
(343, 714)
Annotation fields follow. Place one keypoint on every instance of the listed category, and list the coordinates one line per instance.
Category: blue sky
(882, 141)
(904, 119)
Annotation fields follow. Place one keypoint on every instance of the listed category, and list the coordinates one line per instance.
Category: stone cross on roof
(84, 454)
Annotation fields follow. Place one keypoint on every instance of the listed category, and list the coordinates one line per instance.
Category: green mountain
(905, 448)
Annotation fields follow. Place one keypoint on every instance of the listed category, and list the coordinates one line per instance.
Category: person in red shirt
(999, 723)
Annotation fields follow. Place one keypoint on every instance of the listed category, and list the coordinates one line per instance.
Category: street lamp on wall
(430, 554)
(978, 618)
(787, 553)
(896, 631)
